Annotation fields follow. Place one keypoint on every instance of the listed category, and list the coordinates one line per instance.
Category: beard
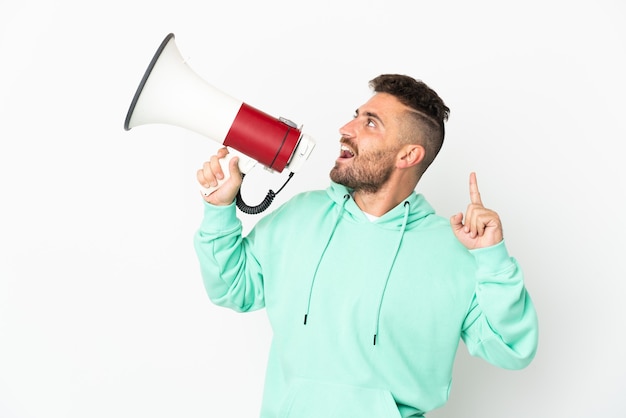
(367, 172)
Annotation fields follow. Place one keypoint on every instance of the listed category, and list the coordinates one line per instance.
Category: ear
(410, 155)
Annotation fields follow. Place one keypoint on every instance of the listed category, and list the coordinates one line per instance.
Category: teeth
(346, 149)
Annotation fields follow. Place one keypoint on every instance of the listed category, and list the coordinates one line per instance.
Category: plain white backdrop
(102, 309)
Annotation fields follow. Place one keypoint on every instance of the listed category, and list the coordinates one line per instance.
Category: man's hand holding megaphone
(221, 170)
(170, 92)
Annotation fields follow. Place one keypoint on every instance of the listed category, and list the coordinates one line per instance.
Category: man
(367, 290)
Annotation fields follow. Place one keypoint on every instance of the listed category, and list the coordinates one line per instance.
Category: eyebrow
(372, 115)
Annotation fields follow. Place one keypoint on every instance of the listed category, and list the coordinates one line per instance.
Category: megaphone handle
(245, 165)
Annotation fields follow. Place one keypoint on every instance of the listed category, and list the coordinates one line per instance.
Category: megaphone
(170, 92)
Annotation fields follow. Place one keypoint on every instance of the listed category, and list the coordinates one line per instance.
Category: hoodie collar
(393, 220)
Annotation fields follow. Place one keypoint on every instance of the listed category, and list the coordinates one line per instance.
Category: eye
(371, 123)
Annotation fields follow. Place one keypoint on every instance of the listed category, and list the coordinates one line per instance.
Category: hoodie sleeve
(501, 324)
(232, 276)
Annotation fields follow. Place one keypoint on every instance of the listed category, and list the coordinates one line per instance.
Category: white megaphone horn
(171, 93)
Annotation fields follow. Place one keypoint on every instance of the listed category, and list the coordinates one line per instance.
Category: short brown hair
(430, 112)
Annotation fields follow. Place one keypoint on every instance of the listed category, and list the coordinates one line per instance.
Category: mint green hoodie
(366, 316)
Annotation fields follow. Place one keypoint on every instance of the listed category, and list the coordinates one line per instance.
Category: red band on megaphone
(262, 137)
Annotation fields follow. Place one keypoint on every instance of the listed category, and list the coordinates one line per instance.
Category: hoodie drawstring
(346, 197)
(393, 261)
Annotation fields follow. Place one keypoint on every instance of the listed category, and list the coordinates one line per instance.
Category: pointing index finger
(474, 193)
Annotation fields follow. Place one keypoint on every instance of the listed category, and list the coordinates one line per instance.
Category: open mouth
(346, 152)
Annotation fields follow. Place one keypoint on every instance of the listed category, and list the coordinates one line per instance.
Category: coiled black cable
(267, 201)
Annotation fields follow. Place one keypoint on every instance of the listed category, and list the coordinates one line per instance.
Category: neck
(396, 189)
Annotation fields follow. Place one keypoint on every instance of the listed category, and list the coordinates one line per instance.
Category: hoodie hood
(419, 208)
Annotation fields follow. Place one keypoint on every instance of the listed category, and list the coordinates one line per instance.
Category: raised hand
(212, 172)
(481, 226)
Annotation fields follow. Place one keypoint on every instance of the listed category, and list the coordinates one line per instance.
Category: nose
(347, 130)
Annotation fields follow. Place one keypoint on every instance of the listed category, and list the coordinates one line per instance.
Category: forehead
(385, 106)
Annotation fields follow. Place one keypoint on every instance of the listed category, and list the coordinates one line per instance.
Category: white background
(102, 309)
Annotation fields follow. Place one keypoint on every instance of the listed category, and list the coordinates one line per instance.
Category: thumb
(456, 221)
(233, 168)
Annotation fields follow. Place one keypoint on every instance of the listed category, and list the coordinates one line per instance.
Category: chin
(335, 176)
